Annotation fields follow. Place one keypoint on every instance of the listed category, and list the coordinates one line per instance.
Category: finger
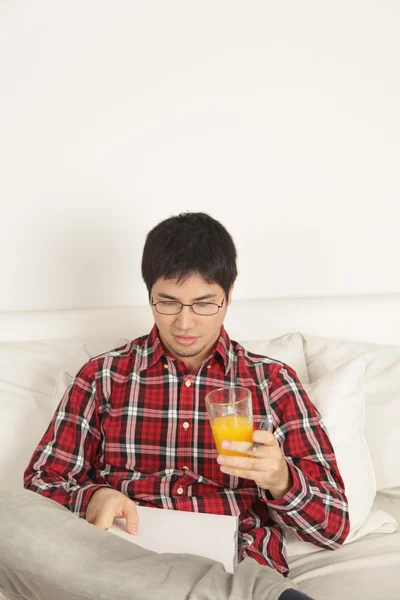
(242, 462)
(266, 438)
(131, 516)
(243, 473)
(104, 518)
(246, 448)
(242, 447)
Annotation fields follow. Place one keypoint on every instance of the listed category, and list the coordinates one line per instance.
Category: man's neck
(193, 362)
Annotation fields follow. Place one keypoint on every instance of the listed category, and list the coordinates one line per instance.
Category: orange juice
(231, 427)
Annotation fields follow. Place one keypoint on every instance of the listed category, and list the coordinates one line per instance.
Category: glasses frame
(191, 306)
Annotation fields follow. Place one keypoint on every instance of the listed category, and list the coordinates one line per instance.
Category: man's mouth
(185, 340)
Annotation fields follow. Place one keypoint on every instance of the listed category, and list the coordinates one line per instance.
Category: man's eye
(169, 303)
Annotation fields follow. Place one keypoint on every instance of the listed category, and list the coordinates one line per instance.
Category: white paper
(212, 536)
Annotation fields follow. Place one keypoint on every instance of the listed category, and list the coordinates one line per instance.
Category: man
(133, 427)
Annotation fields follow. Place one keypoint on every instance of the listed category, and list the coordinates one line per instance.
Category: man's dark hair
(189, 244)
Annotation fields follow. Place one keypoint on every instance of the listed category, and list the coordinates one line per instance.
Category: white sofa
(346, 352)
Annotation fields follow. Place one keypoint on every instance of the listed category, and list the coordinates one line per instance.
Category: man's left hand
(267, 467)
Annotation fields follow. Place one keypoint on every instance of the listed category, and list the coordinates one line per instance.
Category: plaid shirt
(135, 419)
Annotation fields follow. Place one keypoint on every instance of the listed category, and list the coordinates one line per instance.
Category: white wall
(281, 119)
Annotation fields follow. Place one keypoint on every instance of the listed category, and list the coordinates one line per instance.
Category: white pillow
(63, 383)
(381, 389)
(288, 349)
(28, 372)
(338, 398)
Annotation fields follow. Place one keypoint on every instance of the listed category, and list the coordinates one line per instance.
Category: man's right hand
(106, 503)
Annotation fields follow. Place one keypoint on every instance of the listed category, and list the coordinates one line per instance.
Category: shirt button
(165, 366)
(187, 383)
(180, 491)
(185, 468)
(208, 366)
(185, 425)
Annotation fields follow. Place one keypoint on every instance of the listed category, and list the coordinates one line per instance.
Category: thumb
(131, 515)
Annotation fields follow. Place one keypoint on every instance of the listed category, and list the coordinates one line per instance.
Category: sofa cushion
(339, 399)
(381, 388)
(288, 348)
(28, 372)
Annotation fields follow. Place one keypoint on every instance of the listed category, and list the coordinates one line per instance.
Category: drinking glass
(230, 412)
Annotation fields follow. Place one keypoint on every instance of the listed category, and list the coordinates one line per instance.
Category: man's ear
(230, 295)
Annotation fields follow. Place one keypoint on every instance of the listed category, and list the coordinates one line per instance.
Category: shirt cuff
(80, 498)
(295, 498)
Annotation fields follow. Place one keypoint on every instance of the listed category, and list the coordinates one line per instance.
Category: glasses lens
(168, 308)
(205, 308)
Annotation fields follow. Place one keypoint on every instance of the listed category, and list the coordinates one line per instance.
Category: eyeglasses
(205, 309)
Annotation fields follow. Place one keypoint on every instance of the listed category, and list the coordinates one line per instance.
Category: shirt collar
(153, 349)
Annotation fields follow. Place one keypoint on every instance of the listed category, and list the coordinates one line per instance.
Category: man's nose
(185, 319)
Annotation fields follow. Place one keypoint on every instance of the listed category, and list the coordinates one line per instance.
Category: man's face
(200, 332)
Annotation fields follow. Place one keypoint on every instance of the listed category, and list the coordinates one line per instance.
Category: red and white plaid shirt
(135, 419)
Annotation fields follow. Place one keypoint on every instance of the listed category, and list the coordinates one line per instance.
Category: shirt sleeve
(63, 462)
(315, 507)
